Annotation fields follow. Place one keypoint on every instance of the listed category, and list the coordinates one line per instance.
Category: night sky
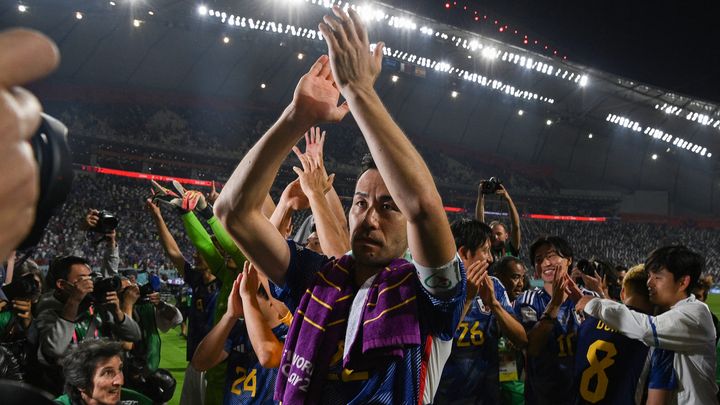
(670, 44)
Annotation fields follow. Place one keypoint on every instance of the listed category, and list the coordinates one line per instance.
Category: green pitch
(713, 302)
(172, 358)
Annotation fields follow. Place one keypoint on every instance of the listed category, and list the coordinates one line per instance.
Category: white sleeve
(440, 281)
(681, 329)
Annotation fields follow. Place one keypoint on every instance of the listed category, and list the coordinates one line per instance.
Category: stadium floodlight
(521, 112)
(151, 12)
(226, 40)
(709, 155)
(262, 85)
(22, 8)
(654, 156)
(583, 81)
(300, 56)
(202, 10)
(548, 122)
(112, 3)
(667, 150)
(590, 136)
(78, 15)
(454, 94)
(394, 78)
(136, 23)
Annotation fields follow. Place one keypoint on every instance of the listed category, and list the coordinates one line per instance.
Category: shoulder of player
(530, 297)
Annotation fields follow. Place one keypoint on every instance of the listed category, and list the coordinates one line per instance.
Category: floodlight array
(659, 134)
(701, 119)
(401, 55)
(472, 43)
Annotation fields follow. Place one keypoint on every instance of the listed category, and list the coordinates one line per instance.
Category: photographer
(78, 308)
(25, 57)
(503, 244)
(94, 223)
(18, 333)
(153, 315)
(94, 375)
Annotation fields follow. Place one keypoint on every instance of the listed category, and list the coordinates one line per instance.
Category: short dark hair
(470, 233)
(80, 362)
(561, 245)
(60, 269)
(504, 264)
(367, 163)
(678, 260)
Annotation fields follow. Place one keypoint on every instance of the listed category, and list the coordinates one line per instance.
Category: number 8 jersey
(611, 368)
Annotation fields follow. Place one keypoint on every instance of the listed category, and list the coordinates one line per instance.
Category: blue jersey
(202, 307)
(550, 373)
(608, 365)
(398, 381)
(247, 382)
(471, 374)
(662, 374)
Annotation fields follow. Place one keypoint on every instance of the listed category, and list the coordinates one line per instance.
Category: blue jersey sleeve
(304, 263)
(662, 375)
(501, 295)
(442, 315)
(526, 310)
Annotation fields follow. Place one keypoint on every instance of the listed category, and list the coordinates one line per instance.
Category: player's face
(547, 261)
(481, 254)
(621, 276)
(499, 235)
(378, 230)
(107, 382)
(665, 290)
(514, 280)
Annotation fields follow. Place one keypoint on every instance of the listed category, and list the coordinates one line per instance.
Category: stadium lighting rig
(401, 55)
(702, 119)
(655, 133)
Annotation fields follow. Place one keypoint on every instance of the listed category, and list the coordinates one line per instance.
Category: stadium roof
(440, 82)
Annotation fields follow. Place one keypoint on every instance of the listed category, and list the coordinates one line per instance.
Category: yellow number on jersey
(249, 382)
(597, 368)
(477, 337)
(565, 344)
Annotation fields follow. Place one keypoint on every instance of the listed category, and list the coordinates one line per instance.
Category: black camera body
(145, 291)
(107, 222)
(102, 286)
(490, 186)
(23, 288)
(54, 160)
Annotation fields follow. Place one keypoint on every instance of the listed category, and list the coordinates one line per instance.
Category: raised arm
(333, 234)
(172, 250)
(684, 329)
(292, 199)
(210, 352)
(266, 346)
(480, 205)
(239, 206)
(514, 218)
(405, 174)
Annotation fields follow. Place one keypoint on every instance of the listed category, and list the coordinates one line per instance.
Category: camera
(145, 291)
(490, 186)
(104, 285)
(22, 288)
(49, 145)
(107, 222)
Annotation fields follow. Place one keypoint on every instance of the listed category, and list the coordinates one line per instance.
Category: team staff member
(685, 327)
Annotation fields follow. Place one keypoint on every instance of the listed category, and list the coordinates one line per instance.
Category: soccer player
(252, 345)
(684, 327)
(548, 315)
(609, 366)
(472, 373)
(368, 327)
